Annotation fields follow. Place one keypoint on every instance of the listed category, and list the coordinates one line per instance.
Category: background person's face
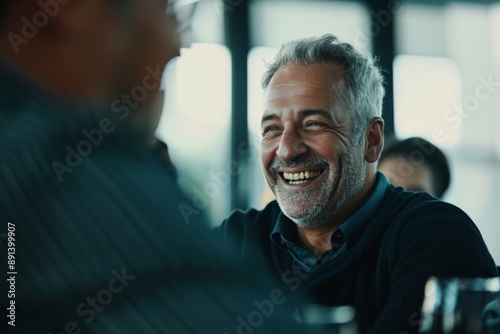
(412, 177)
(308, 157)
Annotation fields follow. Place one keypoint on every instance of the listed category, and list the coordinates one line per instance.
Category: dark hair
(417, 151)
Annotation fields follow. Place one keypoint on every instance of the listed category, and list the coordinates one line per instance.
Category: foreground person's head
(322, 129)
(99, 51)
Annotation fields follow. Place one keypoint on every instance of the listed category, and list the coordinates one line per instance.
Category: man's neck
(319, 241)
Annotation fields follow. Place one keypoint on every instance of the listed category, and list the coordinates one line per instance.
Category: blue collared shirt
(284, 233)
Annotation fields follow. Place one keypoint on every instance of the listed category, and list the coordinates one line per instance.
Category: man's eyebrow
(314, 112)
(303, 114)
(272, 117)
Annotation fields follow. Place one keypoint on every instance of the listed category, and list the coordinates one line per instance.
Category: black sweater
(411, 237)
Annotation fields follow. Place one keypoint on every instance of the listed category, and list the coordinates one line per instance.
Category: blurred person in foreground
(93, 235)
(416, 165)
(339, 233)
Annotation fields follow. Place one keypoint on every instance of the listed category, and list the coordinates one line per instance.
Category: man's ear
(374, 139)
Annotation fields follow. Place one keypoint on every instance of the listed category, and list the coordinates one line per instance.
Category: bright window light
(197, 107)
(428, 99)
(196, 125)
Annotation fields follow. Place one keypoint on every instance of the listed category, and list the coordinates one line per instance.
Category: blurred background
(441, 60)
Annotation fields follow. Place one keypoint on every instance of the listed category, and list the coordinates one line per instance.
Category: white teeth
(296, 178)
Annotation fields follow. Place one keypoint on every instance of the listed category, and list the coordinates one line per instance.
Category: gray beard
(346, 182)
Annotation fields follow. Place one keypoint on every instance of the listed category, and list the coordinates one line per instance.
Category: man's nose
(291, 145)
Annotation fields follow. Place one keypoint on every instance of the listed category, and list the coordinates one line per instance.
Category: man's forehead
(307, 81)
(306, 90)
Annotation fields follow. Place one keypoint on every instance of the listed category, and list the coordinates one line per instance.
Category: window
(195, 124)
(450, 74)
(427, 100)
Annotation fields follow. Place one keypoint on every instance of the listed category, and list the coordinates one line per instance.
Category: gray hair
(362, 89)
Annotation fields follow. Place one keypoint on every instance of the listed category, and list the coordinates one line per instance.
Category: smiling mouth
(301, 177)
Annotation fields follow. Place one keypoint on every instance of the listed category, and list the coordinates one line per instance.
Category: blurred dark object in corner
(461, 305)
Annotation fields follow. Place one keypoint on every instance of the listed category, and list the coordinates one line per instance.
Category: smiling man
(338, 232)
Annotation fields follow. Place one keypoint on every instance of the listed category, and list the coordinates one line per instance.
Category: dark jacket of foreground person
(99, 244)
(386, 261)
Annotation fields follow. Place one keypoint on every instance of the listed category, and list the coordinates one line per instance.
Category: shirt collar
(285, 231)
(354, 223)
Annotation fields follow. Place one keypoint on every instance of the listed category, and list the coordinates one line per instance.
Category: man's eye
(315, 124)
(269, 129)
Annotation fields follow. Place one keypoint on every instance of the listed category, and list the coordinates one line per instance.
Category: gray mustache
(299, 162)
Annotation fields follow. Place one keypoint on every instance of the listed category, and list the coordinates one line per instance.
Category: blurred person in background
(339, 232)
(89, 216)
(416, 165)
